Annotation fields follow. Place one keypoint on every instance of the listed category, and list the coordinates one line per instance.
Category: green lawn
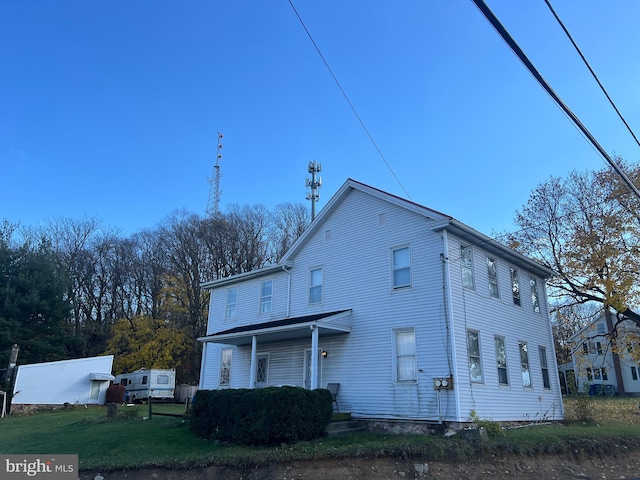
(131, 441)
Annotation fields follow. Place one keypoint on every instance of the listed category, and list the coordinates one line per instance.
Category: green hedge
(266, 416)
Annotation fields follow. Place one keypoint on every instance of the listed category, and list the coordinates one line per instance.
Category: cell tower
(213, 205)
(314, 184)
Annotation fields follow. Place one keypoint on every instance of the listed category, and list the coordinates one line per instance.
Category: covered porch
(309, 328)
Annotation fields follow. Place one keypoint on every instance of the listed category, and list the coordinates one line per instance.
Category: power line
(344, 94)
(566, 31)
(545, 85)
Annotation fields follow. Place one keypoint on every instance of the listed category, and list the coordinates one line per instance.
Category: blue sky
(112, 109)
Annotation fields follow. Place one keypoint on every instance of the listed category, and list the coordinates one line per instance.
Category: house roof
(328, 323)
(437, 220)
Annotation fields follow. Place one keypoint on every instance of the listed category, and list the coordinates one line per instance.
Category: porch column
(252, 373)
(314, 357)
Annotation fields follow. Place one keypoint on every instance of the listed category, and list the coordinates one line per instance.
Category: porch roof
(294, 328)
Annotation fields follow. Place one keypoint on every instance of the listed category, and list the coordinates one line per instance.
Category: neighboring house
(83, 381)
(417, 316)
(596, 358)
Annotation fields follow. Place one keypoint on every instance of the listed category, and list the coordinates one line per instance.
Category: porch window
(492, 272)
(232, 299)
(544, 367)
(473, 349)
(466, 263)
(535, 301)
(315, 285)
(405, 343)
(266, 289)
(515, 286)
(524, 364)
(501, 361)
(401, 267)
(225, 366)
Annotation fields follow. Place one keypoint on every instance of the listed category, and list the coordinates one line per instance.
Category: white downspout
(252, 373)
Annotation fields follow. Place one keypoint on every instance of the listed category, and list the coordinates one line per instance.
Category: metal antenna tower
(213, 203)
(314, 184)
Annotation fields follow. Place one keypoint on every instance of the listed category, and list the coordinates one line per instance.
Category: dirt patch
(541, 468)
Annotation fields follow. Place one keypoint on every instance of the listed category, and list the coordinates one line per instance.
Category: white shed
(80, 381)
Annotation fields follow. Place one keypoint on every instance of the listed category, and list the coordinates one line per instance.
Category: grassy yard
(598, 425)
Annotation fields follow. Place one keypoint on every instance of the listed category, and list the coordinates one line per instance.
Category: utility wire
(545, 85)
(566, 31)
(344, 94)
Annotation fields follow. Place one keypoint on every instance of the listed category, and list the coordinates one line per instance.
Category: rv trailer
(143, 384)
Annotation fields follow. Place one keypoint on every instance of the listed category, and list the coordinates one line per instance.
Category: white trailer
(143, 384)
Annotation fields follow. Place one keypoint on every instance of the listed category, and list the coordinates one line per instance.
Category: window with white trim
(492, 273)
(266, 290)
(535, 299)
(473, 350)
(405, 355)
(225, 366)
(232, 303)
(501, 360)
(315, 285)
(466, 264)
(524, 364)
(544, 366)
(401, 264)
(515, 286)
(634, 373)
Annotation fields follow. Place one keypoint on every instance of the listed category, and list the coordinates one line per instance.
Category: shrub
(115, 394)
(268, 416)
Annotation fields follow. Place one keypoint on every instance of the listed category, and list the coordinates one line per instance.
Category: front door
(307, 369)
(262, 370)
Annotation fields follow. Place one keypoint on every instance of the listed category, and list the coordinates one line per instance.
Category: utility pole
(213, 204)
(314, 184)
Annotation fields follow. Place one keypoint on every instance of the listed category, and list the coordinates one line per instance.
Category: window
(634, 373)
(524, 365)
(596, 374)
(501, 360)
(534, 294)
(492, 272)
(473, 348)
(163, 379)
(601, 329)
(589, 374)
(225, 366)
(144, 379)
(315, 285)
(266, 288)
(401, 267)
(585, 347)
(466, 263)
(544, 367)
(515, 286)
(232, 299)
(599, 348)
(605, 377)
(406, 370)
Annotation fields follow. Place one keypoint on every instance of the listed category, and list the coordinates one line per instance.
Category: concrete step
(345, 427)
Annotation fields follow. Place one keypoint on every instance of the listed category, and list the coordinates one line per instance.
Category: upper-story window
(601, 329)
(535, 299)
(492, 273)
(266, 290)
(315, 285)
(401, 258)
(466, 263)
(232, 303)
(515, 286)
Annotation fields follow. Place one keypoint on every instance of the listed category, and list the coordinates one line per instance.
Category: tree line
(77, 288)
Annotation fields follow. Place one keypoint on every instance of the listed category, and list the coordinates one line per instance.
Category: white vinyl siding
(473, 349)
(401, 260)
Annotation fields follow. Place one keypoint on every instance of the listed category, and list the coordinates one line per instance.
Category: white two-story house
(417, 316)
